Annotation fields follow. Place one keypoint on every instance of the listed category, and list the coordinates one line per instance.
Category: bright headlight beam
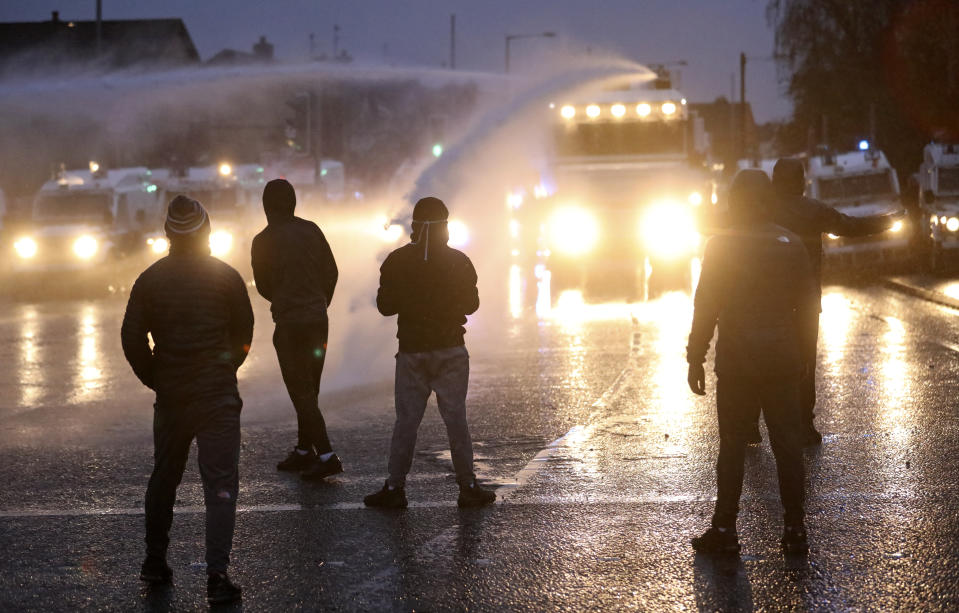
(225, 170)
(952, 224)
(159, 245)
(668, 108)
(85, 247)
(25, 247)
(668, 230)
(898, 225)
(573, 230)
(618, 110)
(221, 242)
(568, 112)
(592, 111)
(695, 198)
(643, 109)
(459, 233)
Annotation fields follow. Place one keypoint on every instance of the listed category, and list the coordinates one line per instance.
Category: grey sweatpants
(446, 372)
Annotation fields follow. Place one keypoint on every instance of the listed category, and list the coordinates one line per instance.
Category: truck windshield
(620, 138)
(215, 199)
(856, 186)
(73, 207)
(949, 180)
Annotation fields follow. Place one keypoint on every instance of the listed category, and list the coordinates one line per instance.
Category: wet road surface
(603, 460)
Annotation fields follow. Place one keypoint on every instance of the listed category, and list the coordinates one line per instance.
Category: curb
(921, 292)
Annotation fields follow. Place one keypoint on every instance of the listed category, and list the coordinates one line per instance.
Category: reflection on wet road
(598, 519)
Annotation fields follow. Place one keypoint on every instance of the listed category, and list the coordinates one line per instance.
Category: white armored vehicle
(84, 223)
(939, 201)
(859, 184)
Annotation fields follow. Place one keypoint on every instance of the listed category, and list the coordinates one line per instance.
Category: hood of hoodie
(278, 212)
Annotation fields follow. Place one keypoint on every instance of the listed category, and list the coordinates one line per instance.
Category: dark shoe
(753, 437)
(387, 498)
(811, 436)
(297, 461)
(795, 540)
(473, 495)
(220, 590)
(321, 469)
(717, 541)
(155, 570)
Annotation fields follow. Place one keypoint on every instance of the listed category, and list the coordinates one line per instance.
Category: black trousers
(807, 380)
(216, 428)
(779, 399)
(301, 351)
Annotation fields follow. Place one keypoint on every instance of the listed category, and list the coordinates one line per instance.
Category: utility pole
(99, 27)
(453, 41)
(742, 104)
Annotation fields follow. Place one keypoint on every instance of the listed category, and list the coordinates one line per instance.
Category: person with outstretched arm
(197, 311)
(756, 286)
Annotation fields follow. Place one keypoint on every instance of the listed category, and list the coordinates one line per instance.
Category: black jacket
(432, 297)
(757, 285)
(810, 219)
(294, 268)
(198, 312)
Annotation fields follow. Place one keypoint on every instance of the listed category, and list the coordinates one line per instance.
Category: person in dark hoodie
(810, 219)
(756, 284)
(432, 288)
(294, 269)
(197, 310)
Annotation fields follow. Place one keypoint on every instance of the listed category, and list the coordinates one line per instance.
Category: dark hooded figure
(197, 310)
(432, 288)
(756, 285)
(294, 269)
(810, 219)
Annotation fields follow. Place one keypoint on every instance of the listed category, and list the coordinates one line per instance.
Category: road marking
(578, 432)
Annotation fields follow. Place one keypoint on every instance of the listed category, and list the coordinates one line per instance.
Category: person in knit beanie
(197, 311)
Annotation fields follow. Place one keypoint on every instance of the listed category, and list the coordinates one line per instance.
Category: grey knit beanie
(185, 216)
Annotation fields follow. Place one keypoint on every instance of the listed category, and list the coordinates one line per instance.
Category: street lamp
(510, 37)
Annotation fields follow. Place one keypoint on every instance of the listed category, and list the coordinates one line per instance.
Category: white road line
(541, 459)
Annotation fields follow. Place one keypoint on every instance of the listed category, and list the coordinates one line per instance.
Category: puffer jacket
(432, 296)
(198, 312)
(757, 285)
(293, 267)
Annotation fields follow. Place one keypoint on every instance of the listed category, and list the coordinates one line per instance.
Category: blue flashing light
(864, 145)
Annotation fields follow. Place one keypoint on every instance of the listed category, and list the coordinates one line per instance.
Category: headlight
(952, 224)
(85, 247)
(573, 231)
(25, 247)
(668, 108)
(832, 236)
(669, 230)
(643, 109)
(695, 198)
(226, 169)
(592, 111)
(568, 112)
(618, 110)
(221, 242)
(158, 245)
(459, 233)
(897, 225)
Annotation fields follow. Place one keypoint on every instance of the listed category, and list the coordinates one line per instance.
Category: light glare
(25, 247)
(221, 242)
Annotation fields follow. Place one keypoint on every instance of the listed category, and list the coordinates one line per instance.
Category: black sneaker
(795, 540)
(155, 570)
(321, 469)
(717, 541)
(220, 590)
(473, 495)
(811, 436)
(387, 498)
(297, 461)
